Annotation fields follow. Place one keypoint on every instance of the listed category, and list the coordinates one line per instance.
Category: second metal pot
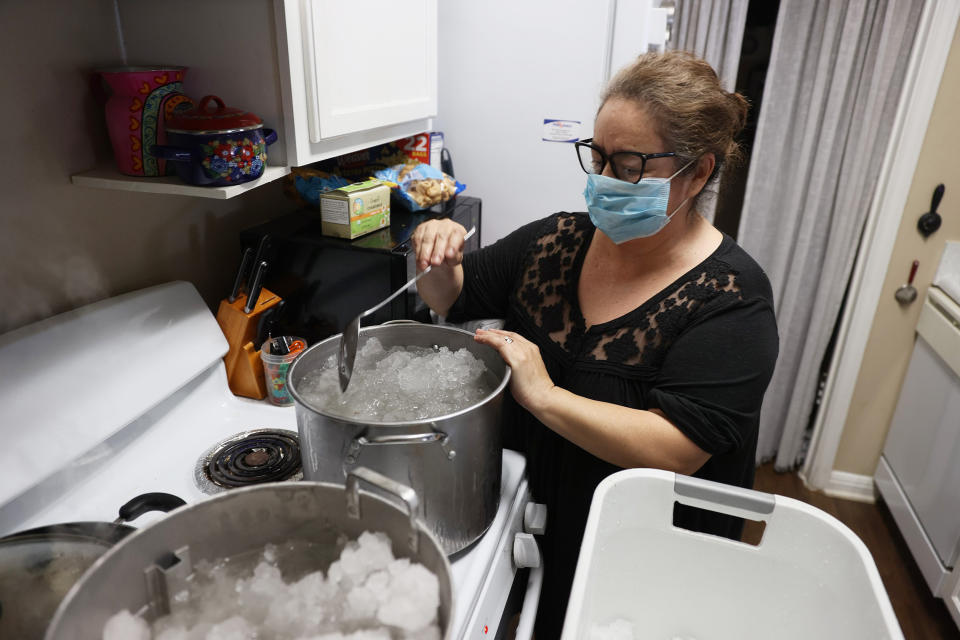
(148, 568)
(453, 462)
(39, 566)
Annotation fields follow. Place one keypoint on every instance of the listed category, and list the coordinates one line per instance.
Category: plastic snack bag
(420, 186)
(306, 185)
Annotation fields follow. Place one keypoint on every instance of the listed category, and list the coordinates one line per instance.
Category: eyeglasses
(627, 165)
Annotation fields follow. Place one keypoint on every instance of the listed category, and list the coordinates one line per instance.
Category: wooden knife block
(244, 369)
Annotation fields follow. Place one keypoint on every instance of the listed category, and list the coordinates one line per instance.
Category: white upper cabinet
(369, 64)
(331, 76)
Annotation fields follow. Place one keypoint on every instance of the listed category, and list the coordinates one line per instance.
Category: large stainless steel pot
(38, 566)
(147, 567)
(452, 462)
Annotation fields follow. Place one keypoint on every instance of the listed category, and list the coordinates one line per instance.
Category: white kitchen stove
(124, 396)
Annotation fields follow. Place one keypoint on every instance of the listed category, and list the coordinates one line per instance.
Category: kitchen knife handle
(241, 274)
(255, 287)
(262, 327)
(267, 324)
(259, 256)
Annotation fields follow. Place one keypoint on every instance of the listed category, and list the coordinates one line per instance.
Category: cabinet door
(952, 596)
(369, 63)
(923, 446)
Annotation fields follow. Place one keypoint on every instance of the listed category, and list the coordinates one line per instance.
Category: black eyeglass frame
(609, 159)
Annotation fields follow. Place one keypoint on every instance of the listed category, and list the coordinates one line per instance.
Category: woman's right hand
(437, 242)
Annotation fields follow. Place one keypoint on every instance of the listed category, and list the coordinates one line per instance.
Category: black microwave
(326, 281)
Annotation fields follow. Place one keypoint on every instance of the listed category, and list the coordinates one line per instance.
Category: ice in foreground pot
(139, 573)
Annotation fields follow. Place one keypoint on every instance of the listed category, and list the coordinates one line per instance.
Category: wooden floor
(922, 617)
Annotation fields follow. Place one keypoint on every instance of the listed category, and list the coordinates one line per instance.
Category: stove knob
(535, 518)
(526, 553)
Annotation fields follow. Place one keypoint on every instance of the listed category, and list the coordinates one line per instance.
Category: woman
(639, 335)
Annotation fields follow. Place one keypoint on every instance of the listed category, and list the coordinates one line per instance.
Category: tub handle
(724, 498)
(391, 486)
(404, 438)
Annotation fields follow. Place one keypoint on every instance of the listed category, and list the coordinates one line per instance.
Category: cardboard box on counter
(354, 210)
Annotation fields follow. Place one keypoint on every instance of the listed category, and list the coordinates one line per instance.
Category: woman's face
(624, 125)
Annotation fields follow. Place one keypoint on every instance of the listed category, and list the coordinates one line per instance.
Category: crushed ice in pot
(367, 594)
(400, 383)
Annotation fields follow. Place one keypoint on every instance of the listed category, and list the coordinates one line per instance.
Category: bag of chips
(419, 185)
(305, 184)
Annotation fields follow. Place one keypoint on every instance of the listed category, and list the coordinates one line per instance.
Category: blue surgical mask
(626, 211)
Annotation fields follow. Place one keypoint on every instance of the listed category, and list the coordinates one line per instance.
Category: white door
(506, 68)
(369, 63)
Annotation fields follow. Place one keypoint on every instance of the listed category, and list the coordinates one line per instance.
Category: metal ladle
(907, 293)
(351, 334)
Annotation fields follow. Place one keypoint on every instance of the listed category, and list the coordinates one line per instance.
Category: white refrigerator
(515, 76)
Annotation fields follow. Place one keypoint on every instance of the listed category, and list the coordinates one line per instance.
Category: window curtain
(831, 96)
(713, 30)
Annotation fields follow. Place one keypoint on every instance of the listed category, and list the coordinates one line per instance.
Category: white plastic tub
(810, 576)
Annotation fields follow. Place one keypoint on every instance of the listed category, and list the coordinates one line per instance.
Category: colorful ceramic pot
(217, 147)
(142, 99)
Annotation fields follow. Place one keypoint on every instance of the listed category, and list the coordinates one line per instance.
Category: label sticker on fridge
(561, 130)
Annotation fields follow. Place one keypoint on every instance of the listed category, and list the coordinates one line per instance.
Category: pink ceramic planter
(142, 98)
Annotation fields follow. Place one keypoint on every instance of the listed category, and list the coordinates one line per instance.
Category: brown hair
(693, 113)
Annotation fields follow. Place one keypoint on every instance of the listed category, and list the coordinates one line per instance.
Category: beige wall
(892, 334)
(62, 246)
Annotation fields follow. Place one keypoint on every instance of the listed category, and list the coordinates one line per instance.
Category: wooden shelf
(110, 178)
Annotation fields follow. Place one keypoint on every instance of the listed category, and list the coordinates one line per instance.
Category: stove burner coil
(252, 458)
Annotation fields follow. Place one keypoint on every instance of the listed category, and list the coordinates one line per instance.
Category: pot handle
(145, 502)
(391, 486)
(404, 438)
(269, 136)
(205, 101)
(176, 154)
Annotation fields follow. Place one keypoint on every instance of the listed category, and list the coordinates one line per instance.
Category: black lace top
(702, 351)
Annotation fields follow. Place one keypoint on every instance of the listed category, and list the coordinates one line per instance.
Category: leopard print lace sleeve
(547, 295)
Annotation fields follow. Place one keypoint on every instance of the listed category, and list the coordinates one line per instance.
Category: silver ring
(508, 339)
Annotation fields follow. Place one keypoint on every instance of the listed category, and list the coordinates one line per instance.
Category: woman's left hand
(530, 383)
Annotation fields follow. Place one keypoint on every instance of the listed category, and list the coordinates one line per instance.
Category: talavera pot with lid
(217, 146)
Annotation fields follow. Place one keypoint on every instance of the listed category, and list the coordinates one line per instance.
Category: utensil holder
(275, 367)
(244, 369)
